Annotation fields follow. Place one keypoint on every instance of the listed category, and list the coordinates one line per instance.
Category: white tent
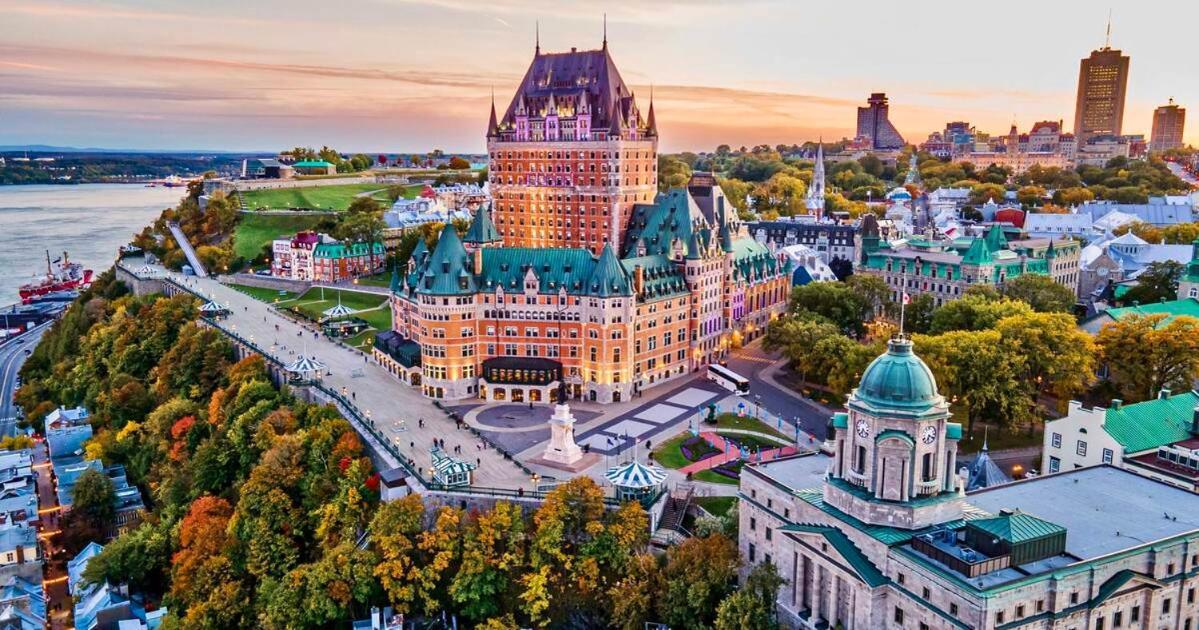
(635, 476)
(338, 311)
(304, 365)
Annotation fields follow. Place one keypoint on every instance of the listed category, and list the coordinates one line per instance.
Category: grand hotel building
(580, 270)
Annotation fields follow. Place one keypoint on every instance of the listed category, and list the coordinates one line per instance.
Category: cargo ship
(61, 275)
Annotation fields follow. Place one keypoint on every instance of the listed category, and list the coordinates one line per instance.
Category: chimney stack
(1195, 422)
(638, 279)
(1116, 403)
(478, 262)
(1164, 393)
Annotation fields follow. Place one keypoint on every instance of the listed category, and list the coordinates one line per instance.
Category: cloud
(119, 12)
(625, 11)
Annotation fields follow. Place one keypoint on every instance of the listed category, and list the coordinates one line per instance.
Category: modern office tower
(1167, 127)
(1102, 84)
(874, 124)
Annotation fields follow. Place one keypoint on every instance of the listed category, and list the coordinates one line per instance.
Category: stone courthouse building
(882, 535)
(579, 270)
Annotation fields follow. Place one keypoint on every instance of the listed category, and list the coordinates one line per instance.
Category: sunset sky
(411, 75)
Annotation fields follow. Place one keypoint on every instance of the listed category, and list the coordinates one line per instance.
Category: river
(88, 220)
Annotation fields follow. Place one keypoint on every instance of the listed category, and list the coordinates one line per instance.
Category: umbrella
(212, 307)
(339, 310)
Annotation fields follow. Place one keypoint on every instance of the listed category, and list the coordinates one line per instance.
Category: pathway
(394, 408)
(729, 454)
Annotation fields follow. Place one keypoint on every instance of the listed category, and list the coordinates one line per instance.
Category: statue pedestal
(562, 448)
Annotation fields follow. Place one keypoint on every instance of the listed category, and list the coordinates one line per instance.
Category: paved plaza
(396, 408)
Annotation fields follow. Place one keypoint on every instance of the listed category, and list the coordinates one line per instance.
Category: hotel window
(898, 615)
(1134, 615)
(953, 609)
(1055, 464)
(999, 617)
(1020, 611)
(924, 592)
(1081, 449)
(1107, 455)
(1118, 619)
(1057, 440)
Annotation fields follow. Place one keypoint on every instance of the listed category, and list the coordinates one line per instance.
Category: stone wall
(267, 282)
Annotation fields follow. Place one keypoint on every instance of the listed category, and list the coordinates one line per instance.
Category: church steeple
(651, 125)
(815, 200)
(493, 127)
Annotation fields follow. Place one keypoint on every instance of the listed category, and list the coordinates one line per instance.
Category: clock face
(863, 428)
(928, 435)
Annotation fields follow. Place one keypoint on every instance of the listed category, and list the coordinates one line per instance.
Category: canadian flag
(907, 299)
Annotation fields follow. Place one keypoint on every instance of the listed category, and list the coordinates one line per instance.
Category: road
(752, 362)
(1183, 174)
(12, 357)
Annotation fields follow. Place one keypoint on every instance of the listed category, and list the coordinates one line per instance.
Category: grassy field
(713, 477)
(331, 197)
(266, 295)
(312, 305)
(668, 453)
(748, 423)
(255, 231)
(716, 506)
(378, 280)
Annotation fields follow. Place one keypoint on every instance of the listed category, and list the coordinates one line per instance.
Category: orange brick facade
(579, 271)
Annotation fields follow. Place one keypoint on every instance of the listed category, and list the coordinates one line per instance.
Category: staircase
(675, 511)
(188, 252)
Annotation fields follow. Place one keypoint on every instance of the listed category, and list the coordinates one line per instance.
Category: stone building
(887, 537)
(945, 269)
(578, 272)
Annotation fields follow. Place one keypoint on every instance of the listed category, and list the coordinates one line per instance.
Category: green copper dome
(899, 380)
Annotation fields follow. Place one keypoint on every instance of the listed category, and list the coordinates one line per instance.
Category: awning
(338, 311)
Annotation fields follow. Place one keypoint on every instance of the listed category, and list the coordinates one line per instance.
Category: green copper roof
(953, 431)
(996, 241)
(897, 434)
(1192, 270)
(752, 261)
(609, 278)
(977, 254)
(1185, 307)
(840, 420)
(898, 381)
(343, 250)
(854, 556)
(889, 536)
(1017, 527)
(656, 228)
(447, 271)
(663, 278)
(556, 269)
(1153, 423)
(313, 164)
(396, 284)
(482, 229)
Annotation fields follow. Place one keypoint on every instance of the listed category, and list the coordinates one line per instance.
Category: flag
(907, 299)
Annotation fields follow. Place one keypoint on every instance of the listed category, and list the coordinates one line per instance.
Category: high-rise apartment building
(1167, 127)
(571, 155)
(1102, 84)
(874, 124)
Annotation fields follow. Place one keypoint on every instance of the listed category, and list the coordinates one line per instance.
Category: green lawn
(331, 197)
(716, 506)
(256, 230)
(312, 305)
(712, 477)
(266, 295)
(668, 453)
(378, 280)
(748, 423)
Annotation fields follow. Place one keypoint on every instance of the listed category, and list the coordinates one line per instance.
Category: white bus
(728, 379)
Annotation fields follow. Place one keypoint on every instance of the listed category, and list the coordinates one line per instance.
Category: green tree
(94, 498)
(699, 574)
(1042, 293)
(753, 606)
(1145, 354)
(918, 314)
(1052, 354)
(138, 558)
(363, 222)
(798, 338)
(978, 374)
(975, 312)
(1159, 282)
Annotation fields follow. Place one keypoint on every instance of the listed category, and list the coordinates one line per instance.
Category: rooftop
(1104, 509)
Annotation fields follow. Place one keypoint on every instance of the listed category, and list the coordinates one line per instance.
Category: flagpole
(903, 299)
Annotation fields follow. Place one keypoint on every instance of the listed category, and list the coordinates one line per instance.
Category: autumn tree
(975, 311)
(1143, 354)
(977, 374)
(699, 574)
(493, 552)
(394, 532)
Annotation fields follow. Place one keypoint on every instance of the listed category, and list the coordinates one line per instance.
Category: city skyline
(413, 75)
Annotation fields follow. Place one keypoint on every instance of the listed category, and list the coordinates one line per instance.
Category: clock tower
(895, 451)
